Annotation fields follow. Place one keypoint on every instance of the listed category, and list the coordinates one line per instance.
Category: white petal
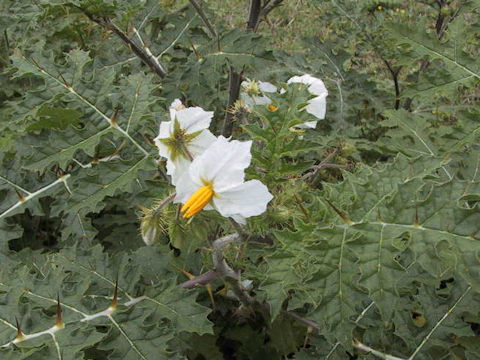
(316, 86)
(261, 100)
(177, 169)
(317, 107)
(304, 79)
(307, 125)
(201, 142)
(247, 100)
(185, 187)
(194, 119)
(223, 163)
(267, 87)
(239, 219)
(175, 106)
(164, 133)
(246, 83)
(247, 199)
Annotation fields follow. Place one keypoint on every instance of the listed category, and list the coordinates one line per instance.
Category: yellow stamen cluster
(197, 201)
(272, 107)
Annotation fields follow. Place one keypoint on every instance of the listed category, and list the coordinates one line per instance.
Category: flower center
(197, 201)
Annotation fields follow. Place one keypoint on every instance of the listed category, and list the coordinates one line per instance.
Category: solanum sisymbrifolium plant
(179, 181)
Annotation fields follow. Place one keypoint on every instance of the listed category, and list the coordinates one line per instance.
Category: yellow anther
(379, 7)
(272, 107)
(197, 201)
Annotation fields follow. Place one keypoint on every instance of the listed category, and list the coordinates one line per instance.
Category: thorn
(415, 219)
(64, 81)
(34, 63)
(114, 118)
(210, 294)
(341, 214)
(197, 54)
(120, 147)
(21, 198)
(148, 140)
(59, 322)
(114, 303)
(19, 331)
(184, 272)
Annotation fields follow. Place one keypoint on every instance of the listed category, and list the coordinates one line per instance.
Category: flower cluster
(256, 93)
(208, 172)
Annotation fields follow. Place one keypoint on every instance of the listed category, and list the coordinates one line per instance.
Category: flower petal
(247, 199)
(194, 119)
(223, 163)
(185, 187)
(201, 142)
(165, 132)
(176, 169)
(175, 106)
(267, 87)
(316, 86)
(307, 125)
(317, 107)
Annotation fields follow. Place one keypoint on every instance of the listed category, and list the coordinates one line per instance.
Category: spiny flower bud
(152, 225)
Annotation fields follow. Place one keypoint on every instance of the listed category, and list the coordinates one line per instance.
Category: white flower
(175, 106)
(316, 106)
(215, 180)
(253, 92)
(184, 137)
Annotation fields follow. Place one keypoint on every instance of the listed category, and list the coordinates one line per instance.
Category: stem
(310, 323)
(149, 53)
(222, 267)
(201, 279)
(235, 82)
(394, 74)
(254, 14)
(147, 59)
(358, 345)
(165, 202)
(202, 14)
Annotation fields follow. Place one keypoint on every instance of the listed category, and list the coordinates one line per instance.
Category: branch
(201, 279)
(222, 267)
(149, 53)
(254, 14)
(257, 12)
(202, 14)
(394, 74)
(146, 57)
(358, 345)
(269, 6)
(234, 84)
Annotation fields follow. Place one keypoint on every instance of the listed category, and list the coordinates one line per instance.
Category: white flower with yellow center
(216, 180)
(316, 106)
(184, 137)
(253, 92)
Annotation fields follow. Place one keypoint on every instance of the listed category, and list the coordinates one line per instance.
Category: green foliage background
(370, 247)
